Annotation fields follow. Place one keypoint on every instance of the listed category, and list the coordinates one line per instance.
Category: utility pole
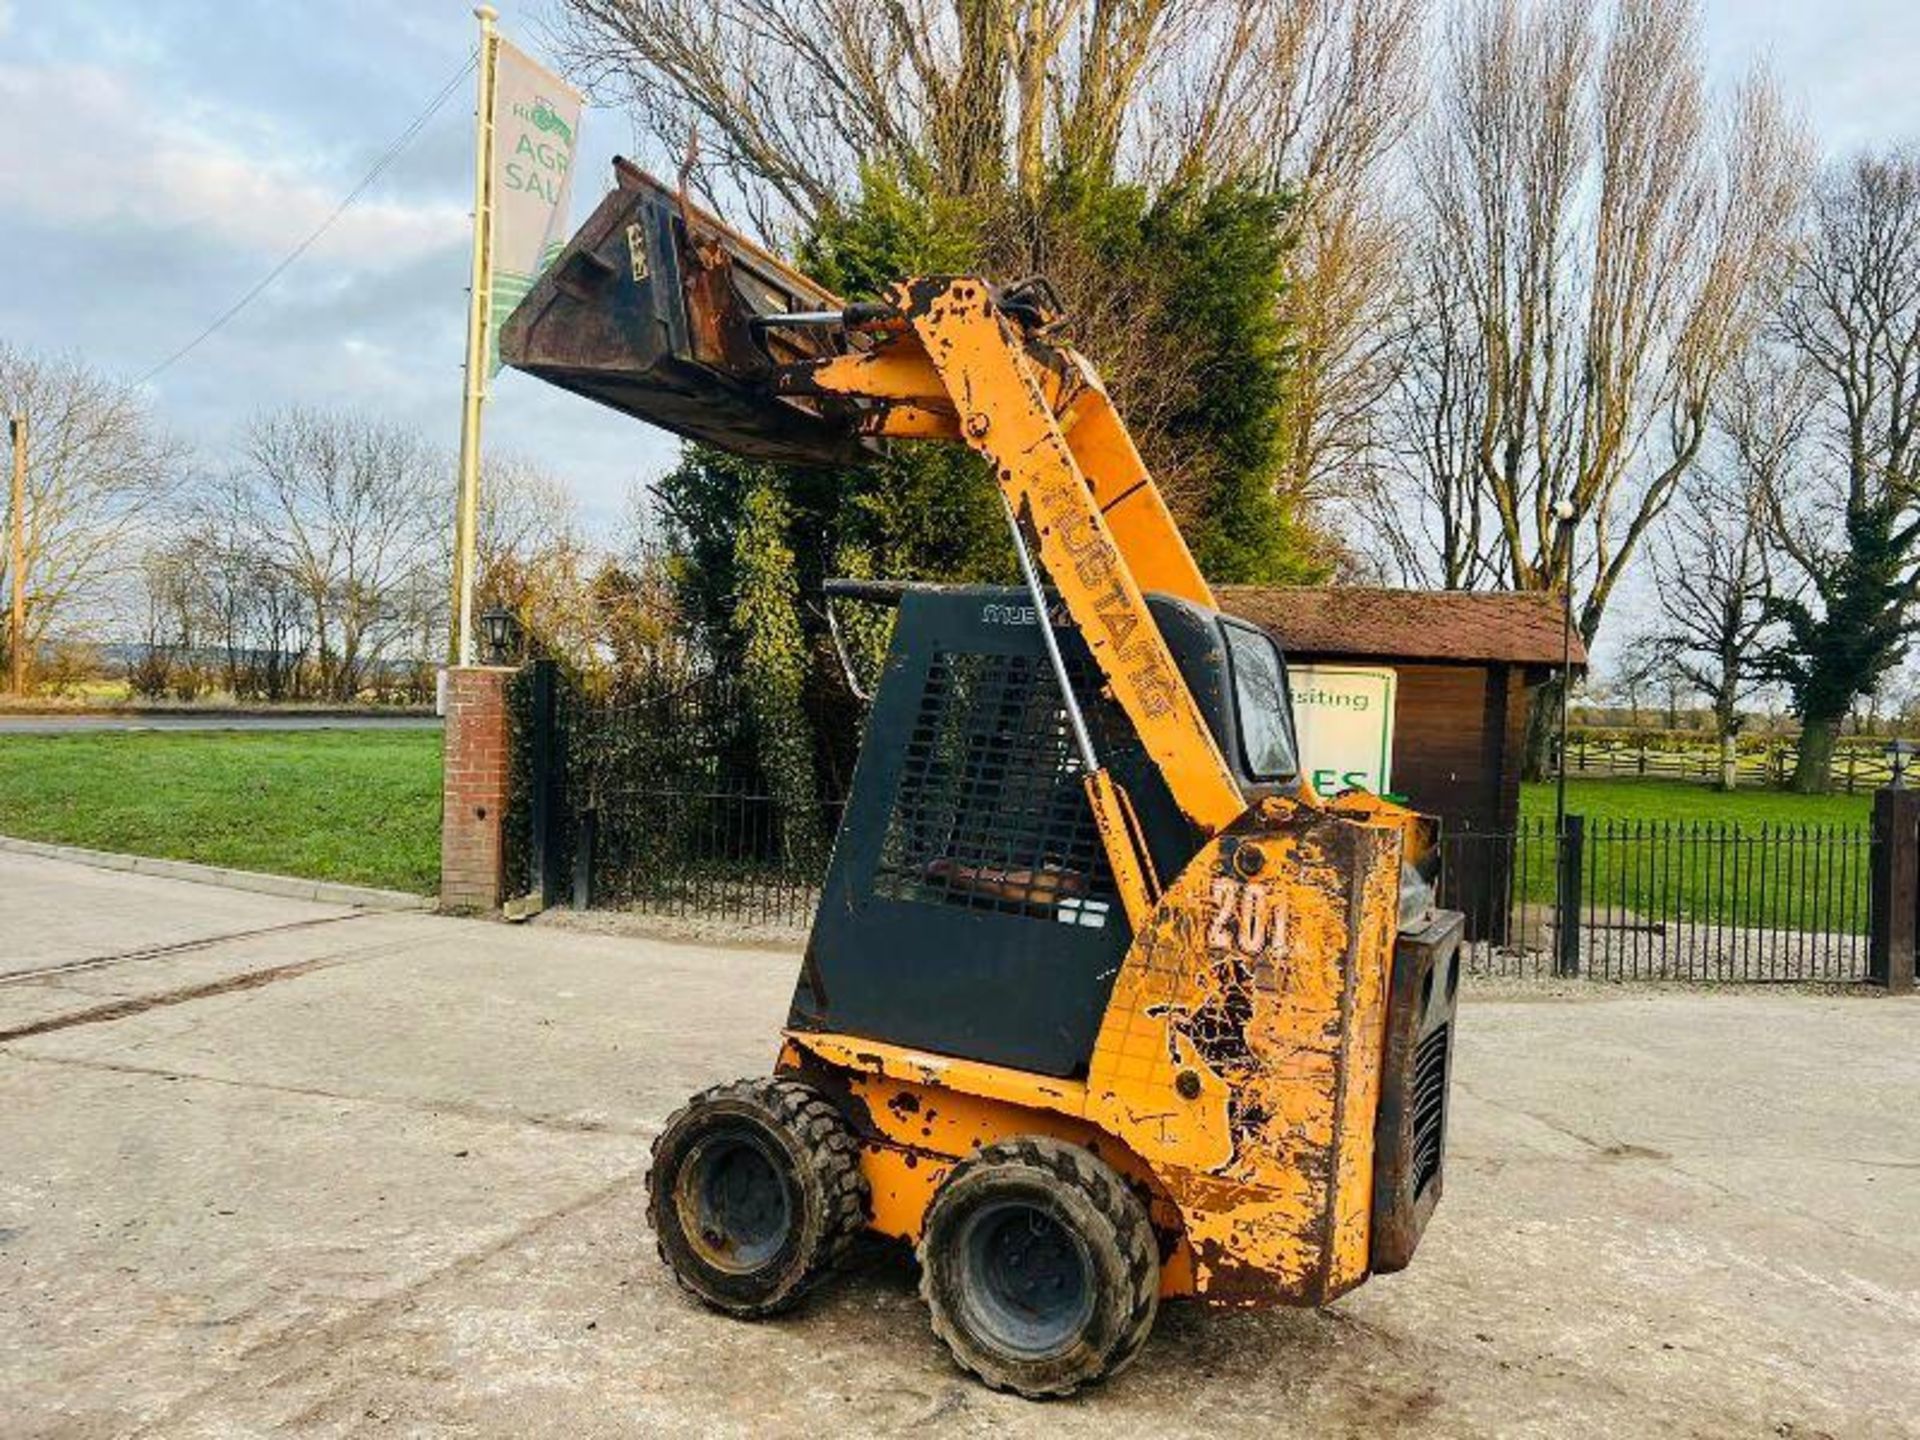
(17, 558)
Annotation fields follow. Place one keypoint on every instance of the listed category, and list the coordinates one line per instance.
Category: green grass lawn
(354, 805)
(1753, 858)
(1681, 800)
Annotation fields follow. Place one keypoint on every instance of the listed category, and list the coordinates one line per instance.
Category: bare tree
(988, 100)
(1849, 518)
(791, 98)
(532, 559)
(350, 506)
(169, 632)
(1318, 102)
(259, 615)
(1626, 688)
(1712, 560)
(1613, 243)
(99, 470)
(1422, 494)
(524, 513)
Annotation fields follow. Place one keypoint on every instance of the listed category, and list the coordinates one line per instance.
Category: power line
(387, 157)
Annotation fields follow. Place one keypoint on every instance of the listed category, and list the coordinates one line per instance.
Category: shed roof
(1517, 628)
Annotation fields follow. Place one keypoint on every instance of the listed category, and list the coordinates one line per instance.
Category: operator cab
(1239, 677)
(968, 870)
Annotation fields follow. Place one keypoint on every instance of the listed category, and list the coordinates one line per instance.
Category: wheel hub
(1030, 1278)
(734, 1202)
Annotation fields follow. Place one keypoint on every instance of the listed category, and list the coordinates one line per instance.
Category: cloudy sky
(162, 155)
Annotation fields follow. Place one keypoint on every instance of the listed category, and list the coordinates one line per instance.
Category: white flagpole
(479, 320)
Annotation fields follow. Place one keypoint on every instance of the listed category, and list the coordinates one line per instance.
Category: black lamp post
(1566, 945)
(1563, 512)
(501, 631)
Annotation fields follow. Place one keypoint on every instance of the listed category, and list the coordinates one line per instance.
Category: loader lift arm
(955, 358)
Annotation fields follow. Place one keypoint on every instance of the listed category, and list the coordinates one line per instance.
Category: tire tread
(1081, 1170)
(831, 1157)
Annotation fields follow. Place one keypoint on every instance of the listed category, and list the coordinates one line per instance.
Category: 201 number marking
(1247, 918)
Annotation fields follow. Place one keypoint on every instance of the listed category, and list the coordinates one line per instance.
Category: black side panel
(968, 909)
(1410, 1129)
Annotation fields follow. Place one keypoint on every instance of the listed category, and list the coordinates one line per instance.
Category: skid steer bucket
(650, 310)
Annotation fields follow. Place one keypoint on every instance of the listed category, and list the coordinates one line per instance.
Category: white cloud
(92, 149)
(1848, 62)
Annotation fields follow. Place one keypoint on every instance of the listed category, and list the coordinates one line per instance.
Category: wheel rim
(734, 1202)
(1031, 1284)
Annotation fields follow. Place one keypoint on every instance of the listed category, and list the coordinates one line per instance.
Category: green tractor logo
(545, 117)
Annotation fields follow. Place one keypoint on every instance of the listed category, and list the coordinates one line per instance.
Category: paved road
(84, 724)
(270, 1166)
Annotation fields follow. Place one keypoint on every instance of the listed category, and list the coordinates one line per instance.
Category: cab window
(1260, 697)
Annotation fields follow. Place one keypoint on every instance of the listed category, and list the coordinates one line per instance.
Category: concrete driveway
(267, 1166)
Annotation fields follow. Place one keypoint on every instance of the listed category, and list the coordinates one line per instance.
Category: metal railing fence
(1664, 899)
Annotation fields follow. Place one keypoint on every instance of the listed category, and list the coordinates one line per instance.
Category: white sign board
(1344, 716)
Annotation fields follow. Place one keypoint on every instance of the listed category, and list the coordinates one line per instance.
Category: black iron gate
(646, 797)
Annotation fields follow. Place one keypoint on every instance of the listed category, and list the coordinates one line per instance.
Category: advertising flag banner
(536, 120)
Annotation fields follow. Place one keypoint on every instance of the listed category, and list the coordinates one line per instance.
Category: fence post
(583, 858)
(1566, 904)
(1896, 888)
(542, 854)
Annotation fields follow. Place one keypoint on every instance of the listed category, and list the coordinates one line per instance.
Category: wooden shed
(1463, 661)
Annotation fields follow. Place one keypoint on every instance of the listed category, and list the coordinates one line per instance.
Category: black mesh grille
(991, 812)
(1429, 1107)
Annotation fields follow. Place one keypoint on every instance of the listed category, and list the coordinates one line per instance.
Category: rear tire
(1039, 1267)
(754, 1193)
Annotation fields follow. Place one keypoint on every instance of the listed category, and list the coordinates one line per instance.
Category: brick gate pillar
(476, 766)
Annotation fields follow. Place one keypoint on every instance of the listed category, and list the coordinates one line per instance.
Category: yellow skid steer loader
(1102, 1003)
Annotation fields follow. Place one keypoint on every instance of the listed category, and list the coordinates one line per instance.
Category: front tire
(754, 1193)
(1039, 1267)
